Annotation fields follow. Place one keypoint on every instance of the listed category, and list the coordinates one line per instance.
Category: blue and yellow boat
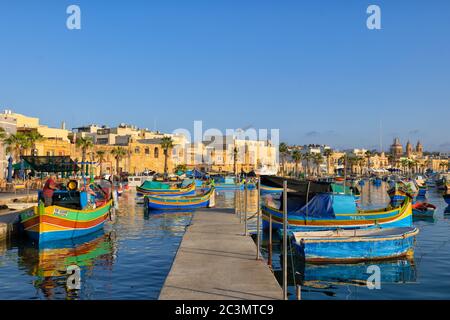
(152, 188)
(344, 246)
(270, 190)
(181, 203)
(337, 211)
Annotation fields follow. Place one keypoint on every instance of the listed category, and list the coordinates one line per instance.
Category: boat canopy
(155, 185)
(51, 163)
(327, 205)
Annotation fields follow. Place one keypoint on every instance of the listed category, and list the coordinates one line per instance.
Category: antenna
(381, 135)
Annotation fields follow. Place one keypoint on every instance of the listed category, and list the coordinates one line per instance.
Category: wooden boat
(167, 191)
(181, 203)
(71, 216)
(57, 223)
(270, 190)
(423, 210)
(310, 217)
(343, 246)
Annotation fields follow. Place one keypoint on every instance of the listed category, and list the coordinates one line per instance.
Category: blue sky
(310, 68)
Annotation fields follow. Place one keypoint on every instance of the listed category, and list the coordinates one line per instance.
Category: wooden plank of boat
(339, 246)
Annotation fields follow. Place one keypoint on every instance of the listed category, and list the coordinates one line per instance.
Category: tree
(118, 153)
(317, 160)
(297, 157)
(33, 137)
(308, 156)
(166, 145)
(3, 134)
(328, 153)
(84, 143)
(284, 151)
(101, 158)
(368, 155)
(16, 144)
(235, 157)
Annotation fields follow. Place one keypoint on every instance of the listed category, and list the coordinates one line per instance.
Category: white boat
(136, 181)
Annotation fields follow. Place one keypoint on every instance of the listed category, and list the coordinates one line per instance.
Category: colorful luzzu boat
(337, 211)
(57, 223)
(181, 203)
(149, 188)
(270, 190)
(422, 191)
(343, 246)
(424, 210)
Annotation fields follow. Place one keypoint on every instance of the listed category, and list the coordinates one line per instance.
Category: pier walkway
(216, 262)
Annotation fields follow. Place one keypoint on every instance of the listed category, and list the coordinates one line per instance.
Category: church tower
(409, 149)
(419, 150)
(397, 149)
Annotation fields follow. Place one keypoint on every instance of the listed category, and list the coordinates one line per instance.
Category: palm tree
(368, 155)
(317, 160)
(328, 153)
(166, 145)
(33, 137)
(16, 144)
(404, 163)
(297, 157)
(101, 158)
(84, 143)
(235, 156)
(308, 157)
(3, 134)
(118, 153)
(284, 151)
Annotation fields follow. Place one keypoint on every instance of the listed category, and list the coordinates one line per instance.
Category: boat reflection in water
(327, 279)
(395, 271)
(49, 264)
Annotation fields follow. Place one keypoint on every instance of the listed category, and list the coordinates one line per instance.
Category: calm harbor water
(427, 276)
(131, 258)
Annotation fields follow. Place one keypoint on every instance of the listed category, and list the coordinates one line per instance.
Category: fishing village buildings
(141, 148)
(142, 151)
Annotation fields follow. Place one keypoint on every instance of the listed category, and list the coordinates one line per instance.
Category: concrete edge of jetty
(215, 261)
(9, 217)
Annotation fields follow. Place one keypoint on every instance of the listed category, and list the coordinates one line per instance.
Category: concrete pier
(9, 218)
(216, 262)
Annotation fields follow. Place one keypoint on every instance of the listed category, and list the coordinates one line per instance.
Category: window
(156, 154)
(137, 150)
(147, 151)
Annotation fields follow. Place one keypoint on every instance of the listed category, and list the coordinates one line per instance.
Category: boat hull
(394, 243)
(399, 217)
(57, 223)
(188, 190)
(180, 203)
